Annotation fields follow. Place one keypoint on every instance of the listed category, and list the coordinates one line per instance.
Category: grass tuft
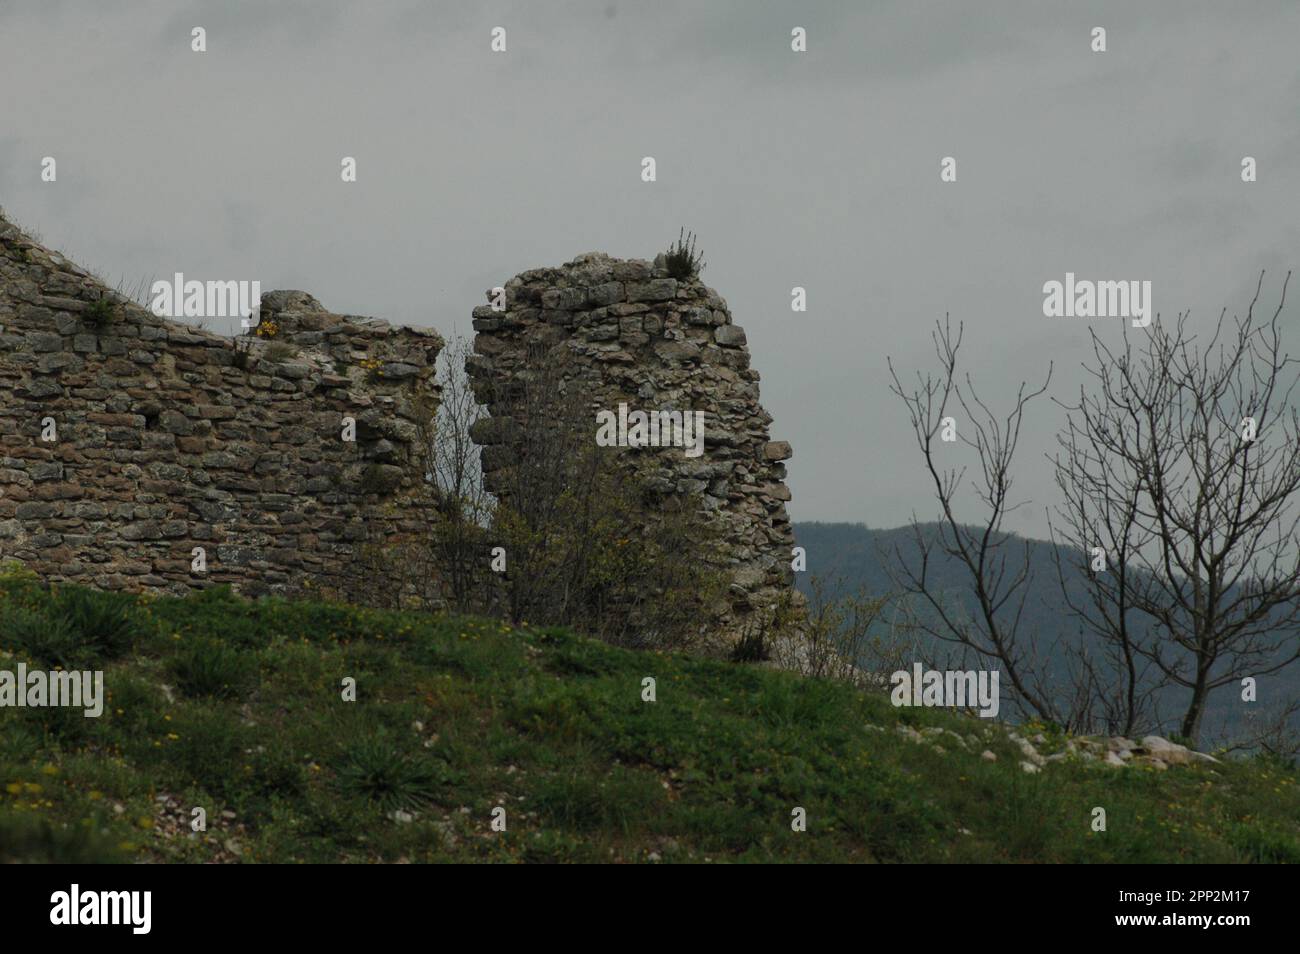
(681, 260)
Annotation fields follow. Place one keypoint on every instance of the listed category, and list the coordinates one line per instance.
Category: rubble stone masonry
(128, 442)
(636, 336)
(167, 438)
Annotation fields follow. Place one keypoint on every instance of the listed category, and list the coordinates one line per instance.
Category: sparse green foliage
(563, 516)
(74, 627)
(45, 639)
(105, 624)
(681, 260)
(848, 637)
(242, 357)
(206, 667)
(374, 770)
(754, 644)
(575, 563)
(100, 313)
(277, 352)
(375, 479)
(31, 839)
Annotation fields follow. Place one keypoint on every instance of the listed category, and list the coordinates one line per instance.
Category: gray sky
(818, 169)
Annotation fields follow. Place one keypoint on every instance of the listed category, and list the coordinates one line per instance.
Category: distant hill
(847, 556)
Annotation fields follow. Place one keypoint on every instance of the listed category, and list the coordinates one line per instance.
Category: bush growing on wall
(565, 544)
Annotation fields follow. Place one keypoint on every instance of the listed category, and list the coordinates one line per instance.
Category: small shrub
(32, 840)
(768, 633)
(101, 313)
(373, 770)
(14, 571)
(374, 480)
(19, 586)
(138, 705)
(280, 351)
(274, 771)
(208, 751)
(49, 640)
(216, 613)
(243, 356)
(844, 635)
(752, 646)
(209, 668)
(581, 798)
(73, 627)
(680, 259)
(105, 625)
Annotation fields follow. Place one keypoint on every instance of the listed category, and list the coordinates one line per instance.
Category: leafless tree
(1182, 460)
(841, 638)
(1270, 729)
(463, 508)
(997, 565)
(546, 475)
(1097, 535)
(571, 516)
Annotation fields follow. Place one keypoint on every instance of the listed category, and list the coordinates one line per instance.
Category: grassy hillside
(237, 707)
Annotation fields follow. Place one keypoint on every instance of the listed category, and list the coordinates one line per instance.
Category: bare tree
(997, 565)
(571, 516)
(841, 638)
(1183, 461)
(1096, 537)
(546, 473)
(1270, 729)
(457, 533)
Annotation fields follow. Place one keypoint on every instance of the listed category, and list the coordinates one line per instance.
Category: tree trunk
(1191, 730)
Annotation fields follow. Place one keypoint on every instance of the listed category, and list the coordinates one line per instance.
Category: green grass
(237, 707)
(100, 313)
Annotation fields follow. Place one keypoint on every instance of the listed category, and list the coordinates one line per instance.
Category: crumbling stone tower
(128, 442)
(635, 335)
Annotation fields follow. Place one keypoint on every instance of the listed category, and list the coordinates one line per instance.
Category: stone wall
(635, 335)
(170, 438)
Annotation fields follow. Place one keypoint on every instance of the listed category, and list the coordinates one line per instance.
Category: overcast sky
(818, 169)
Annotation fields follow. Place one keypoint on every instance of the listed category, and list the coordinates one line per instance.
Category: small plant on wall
(681, 260)
(100, 314)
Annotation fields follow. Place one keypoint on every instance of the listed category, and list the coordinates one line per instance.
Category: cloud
(817, 169)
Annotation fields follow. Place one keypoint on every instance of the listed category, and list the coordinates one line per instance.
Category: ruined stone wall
(171, 438)
(637, 336)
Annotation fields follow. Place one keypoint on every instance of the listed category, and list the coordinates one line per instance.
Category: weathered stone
(171, 437)
(777, 450)
(642, 340)
(729, 336)
(658, 289)
(606, 294)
